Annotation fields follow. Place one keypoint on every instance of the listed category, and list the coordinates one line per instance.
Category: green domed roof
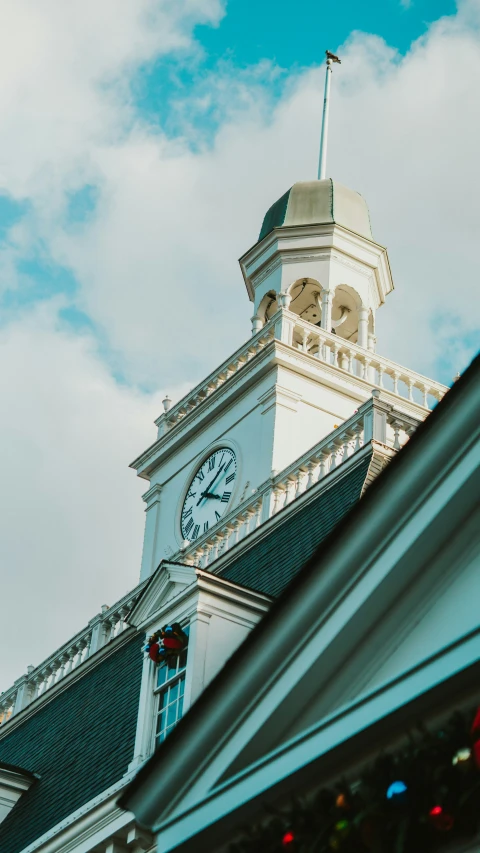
(319, 203)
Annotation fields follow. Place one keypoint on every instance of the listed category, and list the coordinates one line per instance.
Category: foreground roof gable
(412, 538)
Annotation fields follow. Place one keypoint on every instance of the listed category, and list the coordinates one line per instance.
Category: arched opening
(306, 299)
(268, 306)
(345, 307)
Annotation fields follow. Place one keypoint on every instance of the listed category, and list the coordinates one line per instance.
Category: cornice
(221, 397)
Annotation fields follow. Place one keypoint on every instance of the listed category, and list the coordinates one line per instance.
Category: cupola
(316, 256)
(318, 203)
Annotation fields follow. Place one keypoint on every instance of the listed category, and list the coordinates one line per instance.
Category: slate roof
(274, 560)
(79, 743)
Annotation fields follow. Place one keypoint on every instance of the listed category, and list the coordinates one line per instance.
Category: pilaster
(152, 500)
(197, 653)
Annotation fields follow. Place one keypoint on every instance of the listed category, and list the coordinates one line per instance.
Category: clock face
(209, 493)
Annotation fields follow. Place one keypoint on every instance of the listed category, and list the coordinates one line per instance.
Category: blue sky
(253, 32)
(298, 34)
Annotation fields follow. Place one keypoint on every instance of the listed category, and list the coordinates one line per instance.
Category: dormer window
(14, 781)
(170, 689)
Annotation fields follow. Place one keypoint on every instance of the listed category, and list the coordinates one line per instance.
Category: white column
(145, 718)
(284, 328)
(283, 300)
(363, 327)
(256, 324)
(197, 652)
(327, 297)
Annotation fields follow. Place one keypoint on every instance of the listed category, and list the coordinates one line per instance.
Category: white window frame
(164, 689)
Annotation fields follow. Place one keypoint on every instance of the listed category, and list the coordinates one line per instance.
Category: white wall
(276, 420)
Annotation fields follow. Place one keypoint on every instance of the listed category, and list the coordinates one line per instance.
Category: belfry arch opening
(306, 300)
(268, 307)
(346, 305)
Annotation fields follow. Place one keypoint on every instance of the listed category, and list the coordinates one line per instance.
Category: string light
(396, 789)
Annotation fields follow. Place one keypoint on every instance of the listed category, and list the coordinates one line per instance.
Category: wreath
(167, 644)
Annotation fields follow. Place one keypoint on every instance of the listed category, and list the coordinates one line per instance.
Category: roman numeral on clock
(187, 513)
(201, 475)
(226, 497)
(230, 478)
(205, 526)
(217, 515)
(211, 463)
(189, 527)
(228, 466)
(195, 531)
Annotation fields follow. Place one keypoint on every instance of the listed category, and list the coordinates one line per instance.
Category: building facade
(251, 472)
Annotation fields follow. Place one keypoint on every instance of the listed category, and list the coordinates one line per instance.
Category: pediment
(14, 781)
(168, 582)
(390, 635)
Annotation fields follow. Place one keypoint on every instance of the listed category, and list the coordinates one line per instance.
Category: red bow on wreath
(167, 643)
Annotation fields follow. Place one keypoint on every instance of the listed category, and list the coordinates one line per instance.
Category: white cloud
(71, 512)
(156, 264)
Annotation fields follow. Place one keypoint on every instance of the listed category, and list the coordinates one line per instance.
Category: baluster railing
(375, 420)
(39, 680)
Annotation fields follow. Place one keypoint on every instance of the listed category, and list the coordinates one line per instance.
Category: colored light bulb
(396, 789)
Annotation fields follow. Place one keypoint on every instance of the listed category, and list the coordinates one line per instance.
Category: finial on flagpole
(322, 162)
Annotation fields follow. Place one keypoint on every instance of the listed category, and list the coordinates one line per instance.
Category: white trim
(96, 820)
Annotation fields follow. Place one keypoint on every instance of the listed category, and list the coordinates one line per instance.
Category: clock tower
(316, 278)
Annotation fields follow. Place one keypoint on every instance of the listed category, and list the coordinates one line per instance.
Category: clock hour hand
(211, 495)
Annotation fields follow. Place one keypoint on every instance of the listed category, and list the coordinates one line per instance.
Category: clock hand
(203, 494)
(211, 495)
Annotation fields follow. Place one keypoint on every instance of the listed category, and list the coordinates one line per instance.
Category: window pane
(172, 668)
(161, 675)
(172, 714)
(170, 706)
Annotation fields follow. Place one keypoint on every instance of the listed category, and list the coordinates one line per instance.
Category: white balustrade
(39, 680)
(365, 364)
(376, 420)
(326, 347)
(213, 382)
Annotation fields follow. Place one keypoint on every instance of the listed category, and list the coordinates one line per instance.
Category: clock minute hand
(211, 484)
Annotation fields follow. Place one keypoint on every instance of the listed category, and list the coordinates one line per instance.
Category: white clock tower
(221, 464)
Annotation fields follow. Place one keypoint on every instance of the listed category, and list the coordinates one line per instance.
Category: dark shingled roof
(274, 560)
(79, 743)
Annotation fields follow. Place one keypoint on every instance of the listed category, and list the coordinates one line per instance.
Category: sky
(141, 142)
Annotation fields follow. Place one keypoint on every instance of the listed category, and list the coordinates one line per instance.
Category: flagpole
(322, 162)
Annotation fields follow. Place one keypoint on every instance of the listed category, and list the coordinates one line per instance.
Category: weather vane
(322, 163)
